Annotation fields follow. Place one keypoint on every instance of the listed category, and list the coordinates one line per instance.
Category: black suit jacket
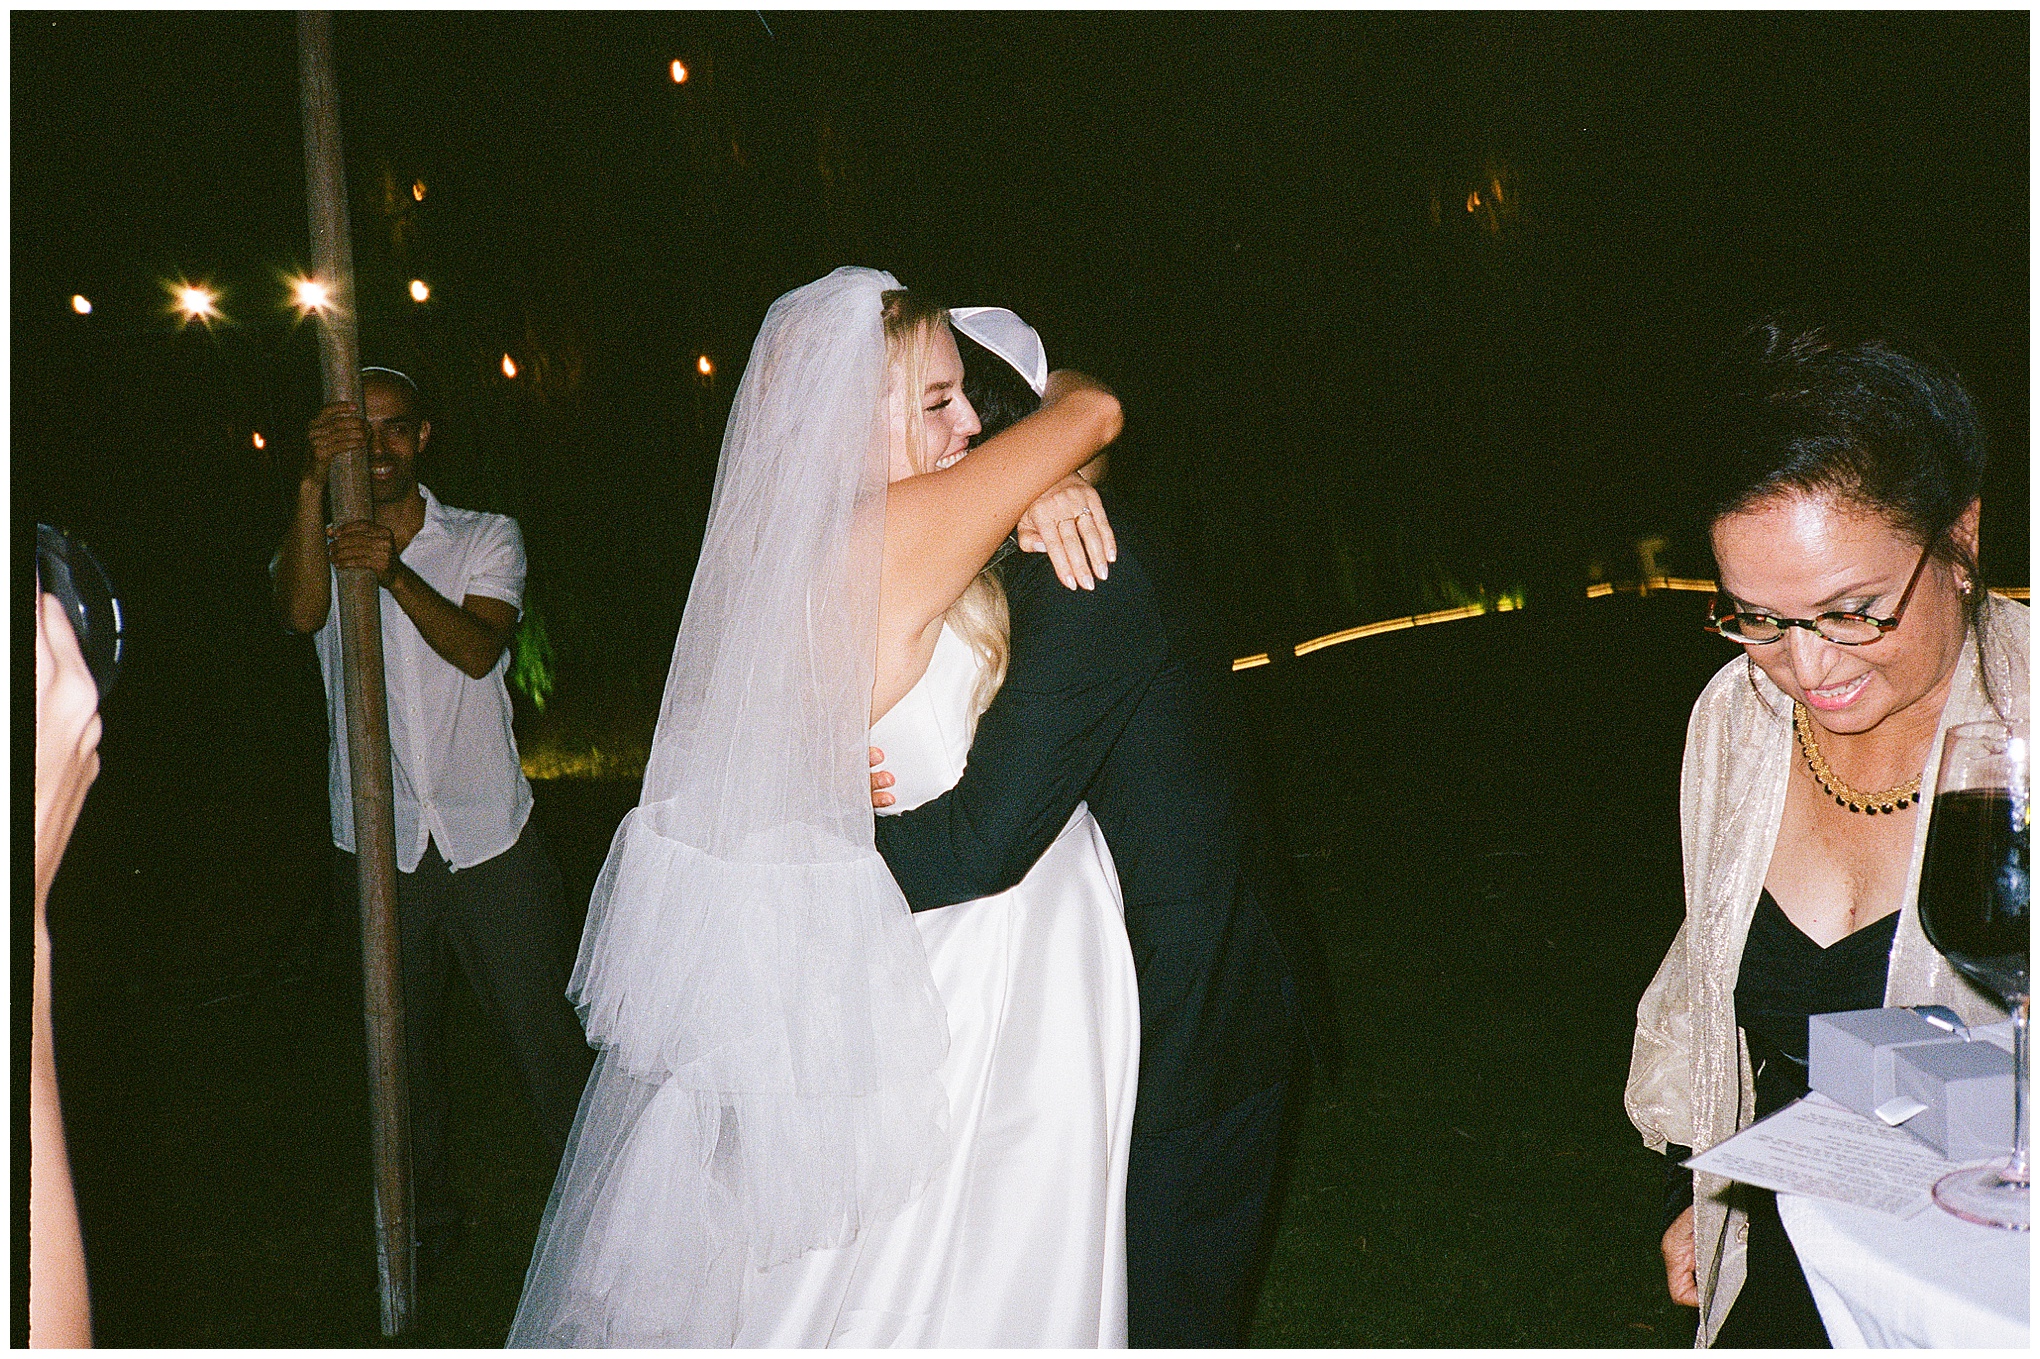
(1113, 697)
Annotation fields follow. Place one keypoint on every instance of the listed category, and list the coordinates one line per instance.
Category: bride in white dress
(1021, 1240)
(817, 1119)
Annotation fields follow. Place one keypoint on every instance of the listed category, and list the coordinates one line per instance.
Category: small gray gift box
(1966, 1091)
(1849, 1054)
(1893, 1065)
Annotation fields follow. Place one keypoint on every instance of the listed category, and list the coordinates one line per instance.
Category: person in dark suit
(1114, 696)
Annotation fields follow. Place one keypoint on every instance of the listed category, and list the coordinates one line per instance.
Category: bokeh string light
(193, 302)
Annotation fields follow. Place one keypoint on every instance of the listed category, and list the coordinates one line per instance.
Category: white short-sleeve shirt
(453, 756)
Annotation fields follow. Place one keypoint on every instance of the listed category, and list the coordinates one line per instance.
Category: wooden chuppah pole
(368, 734)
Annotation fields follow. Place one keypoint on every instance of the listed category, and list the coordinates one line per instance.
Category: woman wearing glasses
(1843, 515)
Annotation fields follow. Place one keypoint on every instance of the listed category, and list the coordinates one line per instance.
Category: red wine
(1973, 887)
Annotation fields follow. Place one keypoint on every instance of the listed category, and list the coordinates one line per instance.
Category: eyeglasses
(1843, 629)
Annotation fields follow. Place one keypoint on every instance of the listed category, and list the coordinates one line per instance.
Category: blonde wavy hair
(979, 614)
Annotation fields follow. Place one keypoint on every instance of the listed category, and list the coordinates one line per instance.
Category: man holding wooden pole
(361, 711)
(475, 886)
(445, 771)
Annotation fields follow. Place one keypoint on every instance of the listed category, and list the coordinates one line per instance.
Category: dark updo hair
(994, 388)
(1859, 413)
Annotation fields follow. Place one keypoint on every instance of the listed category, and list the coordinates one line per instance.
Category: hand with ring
(1069, 523)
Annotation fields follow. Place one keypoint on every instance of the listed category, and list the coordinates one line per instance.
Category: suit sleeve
(1079, 664)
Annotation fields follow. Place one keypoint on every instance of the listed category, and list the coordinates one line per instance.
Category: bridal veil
(768, 1032)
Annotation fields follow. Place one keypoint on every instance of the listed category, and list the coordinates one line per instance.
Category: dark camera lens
(67, 569)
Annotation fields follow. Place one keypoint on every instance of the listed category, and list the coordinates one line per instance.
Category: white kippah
(1006, 335)
(390, 372)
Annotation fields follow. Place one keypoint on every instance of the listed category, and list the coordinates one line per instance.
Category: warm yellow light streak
(679, 71)
(81, 304)
(509, 367)
(1354, 634)
(1508, 603)
(1692, 584)
(419, 292)
(704, 367)
(1417, 620)
(417, 191)
(259, 441)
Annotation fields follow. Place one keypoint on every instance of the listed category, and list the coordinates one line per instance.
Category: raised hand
(66, 762)
(66, 735)
(339, 428)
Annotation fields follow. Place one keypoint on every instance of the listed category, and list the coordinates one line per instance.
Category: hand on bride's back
(880, 780)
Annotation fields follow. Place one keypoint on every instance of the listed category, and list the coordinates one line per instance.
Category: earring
(1966, 586)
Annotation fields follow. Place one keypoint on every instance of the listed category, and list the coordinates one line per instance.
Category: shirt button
(1742, 1230)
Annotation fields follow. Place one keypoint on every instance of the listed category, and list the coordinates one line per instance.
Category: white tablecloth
(1931, 1281)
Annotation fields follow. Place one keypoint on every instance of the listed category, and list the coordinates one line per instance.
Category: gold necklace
(1844, 793)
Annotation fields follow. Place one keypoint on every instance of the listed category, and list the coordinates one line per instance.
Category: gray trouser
(503, 921)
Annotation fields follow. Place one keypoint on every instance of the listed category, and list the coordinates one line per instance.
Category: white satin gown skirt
(1020, 1241)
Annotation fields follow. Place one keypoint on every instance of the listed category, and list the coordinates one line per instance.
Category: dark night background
(1403, 309)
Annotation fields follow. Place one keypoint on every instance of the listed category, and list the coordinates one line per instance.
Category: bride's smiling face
(936, 433)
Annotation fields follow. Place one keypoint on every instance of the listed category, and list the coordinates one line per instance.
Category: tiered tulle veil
(767, 1028)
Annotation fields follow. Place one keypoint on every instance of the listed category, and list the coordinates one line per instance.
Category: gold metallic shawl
(1689, 1073)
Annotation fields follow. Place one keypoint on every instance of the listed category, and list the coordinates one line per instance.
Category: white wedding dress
(1020, 1239)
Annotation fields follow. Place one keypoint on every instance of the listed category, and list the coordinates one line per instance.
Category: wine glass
(1972, 906)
